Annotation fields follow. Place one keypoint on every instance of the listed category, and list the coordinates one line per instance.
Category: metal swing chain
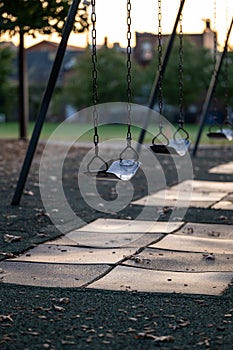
(215, 62)
(95, 91)
(160, 78)
(181, 76)
(226, 76)
(160, 81)
(129, 80)
(94, 77)
(129, 66)
(226, 94)
(181, 83)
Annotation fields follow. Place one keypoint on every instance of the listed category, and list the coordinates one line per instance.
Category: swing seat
(226, 134)
(102, 175)
(101, 172)
(123, 169)
(178, 147)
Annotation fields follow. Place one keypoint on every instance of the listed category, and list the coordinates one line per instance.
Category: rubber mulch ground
(53, 318)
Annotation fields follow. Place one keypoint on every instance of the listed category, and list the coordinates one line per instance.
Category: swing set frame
(153, 95)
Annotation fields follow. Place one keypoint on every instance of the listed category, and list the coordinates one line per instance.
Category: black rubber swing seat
(178, 147)
(122, 169)
(102, 175)
(226, 134)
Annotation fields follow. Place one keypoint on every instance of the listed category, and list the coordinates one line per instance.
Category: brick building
(147, 43)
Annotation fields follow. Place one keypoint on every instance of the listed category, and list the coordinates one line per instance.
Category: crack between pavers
(112, 267)
(220, 200)
(118, 263)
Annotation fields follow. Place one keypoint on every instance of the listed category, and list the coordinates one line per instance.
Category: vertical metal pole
(45, 102)
(23, 89)
(210, 91)
(154, 90)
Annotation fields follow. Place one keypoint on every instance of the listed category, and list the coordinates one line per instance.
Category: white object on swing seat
(124, 169)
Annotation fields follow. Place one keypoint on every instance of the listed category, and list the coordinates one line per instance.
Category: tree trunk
(23, 89)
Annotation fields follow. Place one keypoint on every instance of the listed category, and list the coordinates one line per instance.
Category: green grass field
(79, 131)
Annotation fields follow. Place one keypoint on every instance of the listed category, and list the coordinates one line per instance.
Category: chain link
(94, 74)
(226, 80)
(160, 81)
(129, 66)
(215, 62)
(226, 75)
(181, 75)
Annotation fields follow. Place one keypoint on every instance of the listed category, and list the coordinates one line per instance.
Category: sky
(111, 19)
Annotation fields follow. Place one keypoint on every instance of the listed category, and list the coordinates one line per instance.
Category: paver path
(138, 255)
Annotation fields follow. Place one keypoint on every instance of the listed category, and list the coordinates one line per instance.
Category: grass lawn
(106, 132)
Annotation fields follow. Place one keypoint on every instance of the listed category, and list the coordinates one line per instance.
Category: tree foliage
(38, 16)
(6, 69)
(111, 78)
(197, 69)
(224, 88)
(32, 17)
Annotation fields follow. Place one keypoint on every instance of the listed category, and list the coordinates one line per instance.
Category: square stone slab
(222, 169)
(224, 205)
(74, 255)
(206, 230)
(143, 280)
(181, 199)
(172, 194)
(106, 240)
(63, 240)
(50, 275)
(129, 226)
(204, 186)
(157, 259)
(195, 244)
(97, 239)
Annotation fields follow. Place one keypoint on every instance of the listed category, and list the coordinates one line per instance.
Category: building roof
(51, 45)
(40, 59)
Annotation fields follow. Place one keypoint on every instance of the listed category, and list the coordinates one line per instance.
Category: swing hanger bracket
(183, 133)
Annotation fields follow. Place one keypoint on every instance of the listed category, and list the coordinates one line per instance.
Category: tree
(111, 78)
(224, 87)
(197, 70)
(34, 17)
(6, 68)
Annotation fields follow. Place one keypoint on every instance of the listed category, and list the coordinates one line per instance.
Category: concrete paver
(204, 186)
(226, 168)
(74, 255)
(193, 193)
(181, 199)
(166, 260)
(107, 240)
(52, 275)
(206, 230)
(226, 204)
(131, 278)
(195, 244)
(108, 233)
(127, 226)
